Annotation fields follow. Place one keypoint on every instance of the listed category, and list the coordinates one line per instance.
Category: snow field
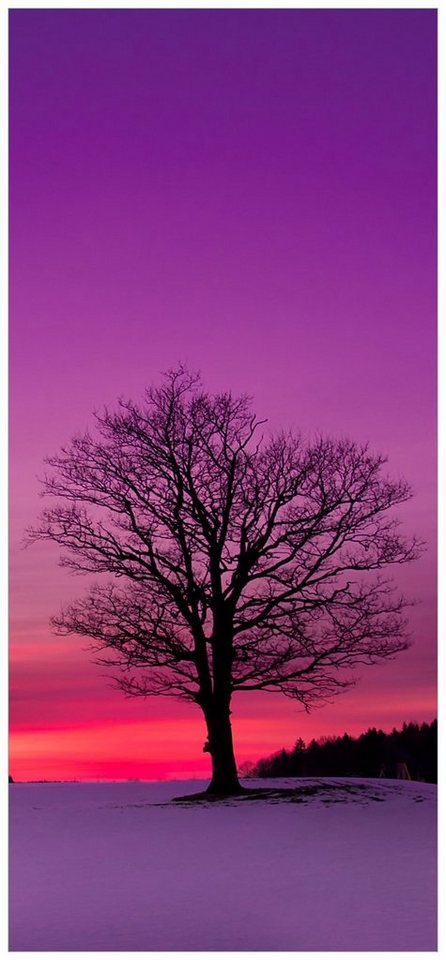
(117, 866)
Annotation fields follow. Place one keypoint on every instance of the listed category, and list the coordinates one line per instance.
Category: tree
(372, 754)
(238, 560)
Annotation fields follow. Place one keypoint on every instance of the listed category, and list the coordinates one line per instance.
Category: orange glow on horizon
(160, 749)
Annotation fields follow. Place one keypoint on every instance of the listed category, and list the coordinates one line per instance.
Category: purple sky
(253, 193)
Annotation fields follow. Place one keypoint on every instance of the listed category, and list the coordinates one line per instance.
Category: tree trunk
(224, 768)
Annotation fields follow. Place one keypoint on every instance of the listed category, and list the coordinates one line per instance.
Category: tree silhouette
(238, 561)
(372, 754)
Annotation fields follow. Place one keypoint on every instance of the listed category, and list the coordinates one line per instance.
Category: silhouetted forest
(407, 753)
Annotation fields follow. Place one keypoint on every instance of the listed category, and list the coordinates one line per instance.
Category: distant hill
(409, 752)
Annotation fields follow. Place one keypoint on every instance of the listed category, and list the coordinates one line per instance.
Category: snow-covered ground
(116, 866)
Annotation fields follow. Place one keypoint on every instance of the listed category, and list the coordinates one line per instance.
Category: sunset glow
(252, 193)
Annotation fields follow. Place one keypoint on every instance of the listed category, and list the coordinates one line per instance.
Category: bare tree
(239, 561)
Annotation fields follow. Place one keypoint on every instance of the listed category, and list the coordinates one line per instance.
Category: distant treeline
(411, 751)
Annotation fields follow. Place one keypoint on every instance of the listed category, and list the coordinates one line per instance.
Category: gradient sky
(253, 193)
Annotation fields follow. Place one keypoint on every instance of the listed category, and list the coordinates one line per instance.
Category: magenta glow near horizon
(251, 192)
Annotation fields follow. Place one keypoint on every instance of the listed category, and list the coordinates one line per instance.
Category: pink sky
(253, 193)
